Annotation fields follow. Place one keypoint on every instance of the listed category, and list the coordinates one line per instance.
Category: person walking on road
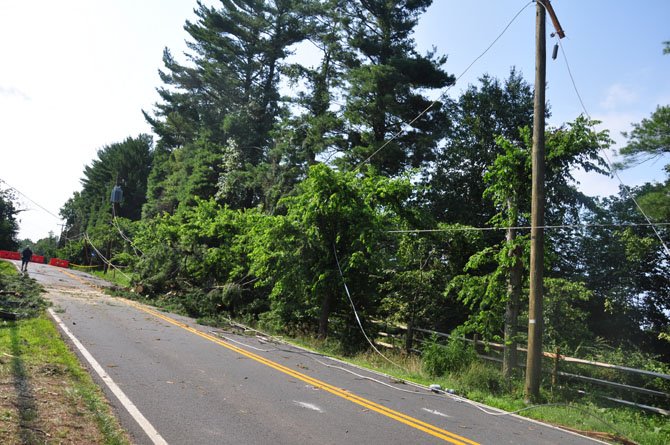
(26, 255)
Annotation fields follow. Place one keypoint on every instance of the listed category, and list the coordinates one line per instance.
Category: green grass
(83, 386)
(7, 268)
(19, 294)
(40, 347)
(113, 276)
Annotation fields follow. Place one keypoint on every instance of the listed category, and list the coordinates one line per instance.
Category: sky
(75, 76)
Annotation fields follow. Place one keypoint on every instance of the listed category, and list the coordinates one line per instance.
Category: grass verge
(46, 397)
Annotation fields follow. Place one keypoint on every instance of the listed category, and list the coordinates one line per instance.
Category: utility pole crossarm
(554, 19)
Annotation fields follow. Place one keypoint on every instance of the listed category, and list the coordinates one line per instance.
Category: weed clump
(438, 359)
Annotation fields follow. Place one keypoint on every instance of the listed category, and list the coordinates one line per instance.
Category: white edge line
(155, 437)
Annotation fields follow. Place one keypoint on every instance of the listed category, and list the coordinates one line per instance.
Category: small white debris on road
(437, 413)
(308, 406)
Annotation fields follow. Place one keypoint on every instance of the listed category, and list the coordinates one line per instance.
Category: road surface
(173, 381)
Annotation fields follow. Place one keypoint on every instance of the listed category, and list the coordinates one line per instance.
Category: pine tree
(386, 84)
(224, 103)
(124, 163)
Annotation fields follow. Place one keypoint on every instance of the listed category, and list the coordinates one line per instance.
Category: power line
(401, 131)
(360, 325)
(574, 84)
(604, 152)
(558, 226)
(105, 260)
(123, 235)
(29, 199)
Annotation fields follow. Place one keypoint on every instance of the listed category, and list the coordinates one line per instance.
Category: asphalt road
(193, 384)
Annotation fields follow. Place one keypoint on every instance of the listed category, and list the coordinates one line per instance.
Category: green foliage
(649, 139)
(415, 276)
(158, 239)
(227, 97)
(46, 246)
(437, 359)
(481, 114)
(623, 355)
(333, 216)
(484, 378)
(90, 211)
(655, 202)
(486, 288)
(565, 319)
(74, 251)
(508, 180)
(9, 226)
(385, 86)
(434, 359)
(199, 254)
(484, 296)
(642, 290)
(630, 285)
(246, 216)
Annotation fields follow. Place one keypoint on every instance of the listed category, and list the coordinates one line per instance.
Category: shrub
(438, 359)
(482, 377)
(434, 359)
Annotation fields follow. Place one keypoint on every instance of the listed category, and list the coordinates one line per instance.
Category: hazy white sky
(75, 75)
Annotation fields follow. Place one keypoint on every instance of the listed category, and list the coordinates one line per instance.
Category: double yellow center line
(392, 414)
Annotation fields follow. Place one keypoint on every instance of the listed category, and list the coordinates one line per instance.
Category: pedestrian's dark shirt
(26, 254)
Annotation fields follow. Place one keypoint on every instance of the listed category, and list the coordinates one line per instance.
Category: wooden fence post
(554, 373)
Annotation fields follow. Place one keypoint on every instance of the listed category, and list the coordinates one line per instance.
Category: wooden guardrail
(652, 393)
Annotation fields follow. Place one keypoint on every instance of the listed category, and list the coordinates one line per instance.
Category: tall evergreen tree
(127, 164)
(386, 84)
(217, 112)
(649, 139)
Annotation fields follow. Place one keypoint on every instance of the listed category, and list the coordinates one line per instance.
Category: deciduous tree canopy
(9, 226)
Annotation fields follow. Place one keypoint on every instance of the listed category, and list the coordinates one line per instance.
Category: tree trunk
(325, 313)
(409, 336)
(109, 256)
(512, 309)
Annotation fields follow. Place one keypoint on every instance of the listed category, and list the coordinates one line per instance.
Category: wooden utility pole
(535, 317)
(535, 322)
